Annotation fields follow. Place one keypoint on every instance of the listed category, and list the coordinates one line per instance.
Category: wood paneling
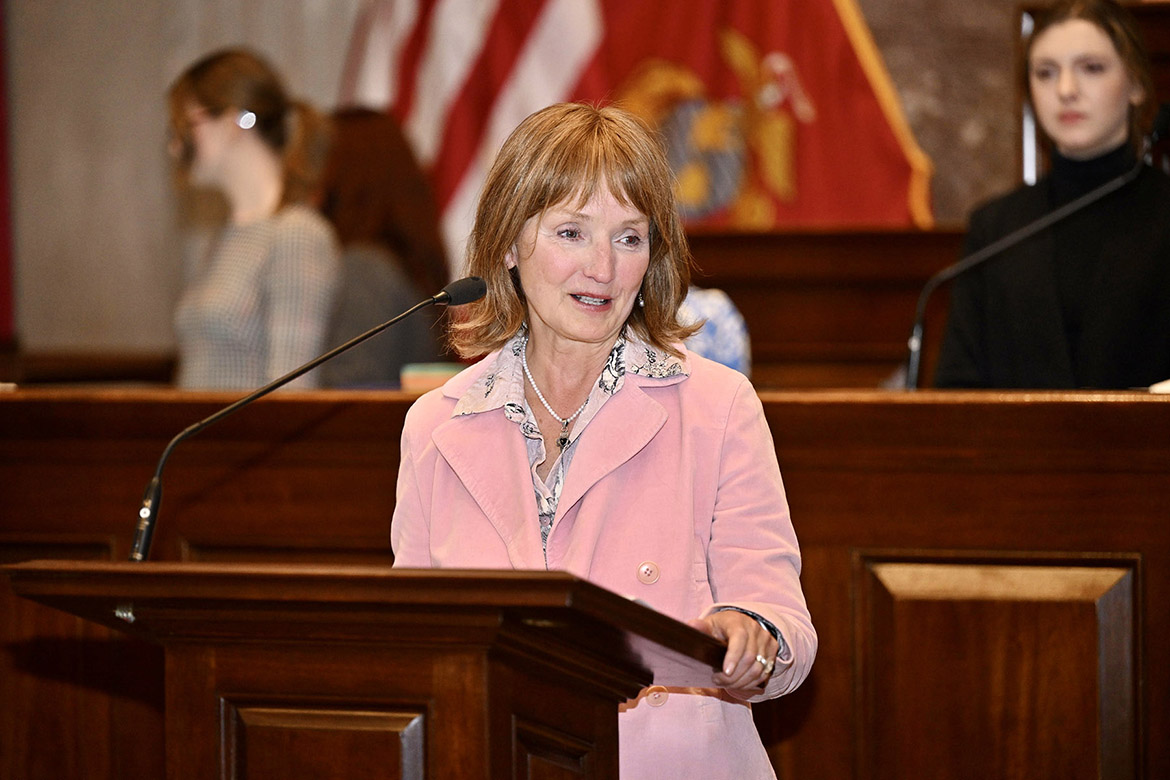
(987, 480)
(1036, 661)
(79, 700)
(829, 309)
(984, 569)
(291, 738)
(298, 672)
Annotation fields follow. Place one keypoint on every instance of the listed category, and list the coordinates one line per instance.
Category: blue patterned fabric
(724, 337)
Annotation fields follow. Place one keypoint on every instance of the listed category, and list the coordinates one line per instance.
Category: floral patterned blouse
(503, 387)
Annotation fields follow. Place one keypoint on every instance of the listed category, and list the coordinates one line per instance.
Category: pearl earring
(641, 301)
(246, 120)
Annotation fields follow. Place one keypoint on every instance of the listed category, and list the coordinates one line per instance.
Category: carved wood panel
(985, 667)
(320, 739)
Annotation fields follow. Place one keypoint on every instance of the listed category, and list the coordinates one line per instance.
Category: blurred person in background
(259, 303)
(383, 210)
(1085, 303)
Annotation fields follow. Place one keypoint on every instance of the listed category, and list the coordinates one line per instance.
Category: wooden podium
(296, 671)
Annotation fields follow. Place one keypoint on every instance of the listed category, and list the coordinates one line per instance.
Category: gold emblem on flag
(734, 158)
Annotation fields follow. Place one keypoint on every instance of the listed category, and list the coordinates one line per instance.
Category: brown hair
(240, 80)
(1121, 28)
(560, 153)
(373, 191)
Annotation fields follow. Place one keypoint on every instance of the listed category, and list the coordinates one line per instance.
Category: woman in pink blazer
(589, 440)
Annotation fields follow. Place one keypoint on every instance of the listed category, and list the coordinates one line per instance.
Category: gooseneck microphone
(459, 292)
(913, 360)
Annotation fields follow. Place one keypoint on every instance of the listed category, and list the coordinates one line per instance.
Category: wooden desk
(306, 671)
(987, 572)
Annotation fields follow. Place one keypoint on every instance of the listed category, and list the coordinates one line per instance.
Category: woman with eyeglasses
(260, 301)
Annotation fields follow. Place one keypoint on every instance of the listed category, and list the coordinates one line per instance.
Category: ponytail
(241, 80)
(305, 151)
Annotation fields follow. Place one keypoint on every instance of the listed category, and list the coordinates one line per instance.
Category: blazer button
(648, 573)
(656, 695)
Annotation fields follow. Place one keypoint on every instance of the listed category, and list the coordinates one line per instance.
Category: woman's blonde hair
(240, 80)
(560, 154)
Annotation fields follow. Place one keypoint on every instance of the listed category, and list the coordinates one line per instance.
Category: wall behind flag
(953, 64)
(97, 242)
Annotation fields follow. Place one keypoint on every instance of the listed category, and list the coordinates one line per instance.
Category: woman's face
(210, 137)
(581, 269)
(1081, 90)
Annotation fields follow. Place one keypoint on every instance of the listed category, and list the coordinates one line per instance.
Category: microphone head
(461, 291)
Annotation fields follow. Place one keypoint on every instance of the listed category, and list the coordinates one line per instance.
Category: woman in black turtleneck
(1087, 302)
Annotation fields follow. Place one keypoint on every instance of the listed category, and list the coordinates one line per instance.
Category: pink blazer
(673, 497)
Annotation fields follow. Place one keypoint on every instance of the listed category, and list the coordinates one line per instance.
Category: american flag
(776, 113)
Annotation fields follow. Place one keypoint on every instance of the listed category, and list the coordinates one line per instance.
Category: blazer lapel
(626, 424)
(490, 474)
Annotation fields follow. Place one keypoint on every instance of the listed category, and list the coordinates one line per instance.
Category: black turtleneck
(1084, 304)
(1072, 178)
(1079, 239)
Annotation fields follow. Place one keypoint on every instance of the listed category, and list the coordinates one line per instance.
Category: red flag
(776, 113)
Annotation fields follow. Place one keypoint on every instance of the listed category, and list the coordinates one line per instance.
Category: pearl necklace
(563, 439)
